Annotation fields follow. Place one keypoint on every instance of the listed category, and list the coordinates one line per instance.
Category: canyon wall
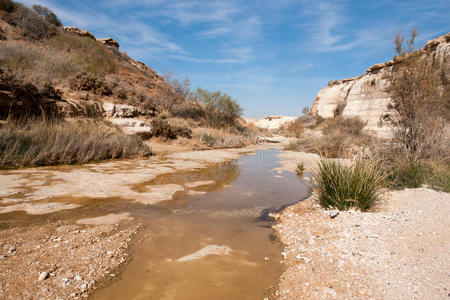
(365, 96)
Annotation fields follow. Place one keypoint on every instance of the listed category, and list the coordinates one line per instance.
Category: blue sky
(271, 56)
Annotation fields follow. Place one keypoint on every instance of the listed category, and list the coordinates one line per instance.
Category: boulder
(109, 42)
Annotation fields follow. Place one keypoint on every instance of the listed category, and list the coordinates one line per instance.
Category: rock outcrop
(365, 96)
(78, 31)
(110, 42)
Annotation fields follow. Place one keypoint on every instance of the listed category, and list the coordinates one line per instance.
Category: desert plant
(300, 169)
(162, 128)
(292, 129)
(346, 185)
(207, 139)
(406, 172)
(35, 142)
(417, 111)
(33, 26)
(7, 5)
(48, 14)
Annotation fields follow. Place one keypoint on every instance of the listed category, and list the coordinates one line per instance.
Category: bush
(32, 142)
(220, 138)
(343, 125)
(406, 172)
(47, 13)
(220, 109)
(292, 129)
(162, 128)
(343, 186)
(7, 5)
(33, 26)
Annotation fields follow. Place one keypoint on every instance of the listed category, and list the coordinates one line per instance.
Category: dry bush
(32, 25)
(163, 128)
(292, 129)
(219, 138)
(35, 63)
(32, 142)
(343, 137)
(7, 5)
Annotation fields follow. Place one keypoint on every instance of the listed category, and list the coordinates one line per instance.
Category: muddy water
(228, 216)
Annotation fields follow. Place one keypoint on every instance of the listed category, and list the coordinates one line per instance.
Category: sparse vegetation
(292, 129)
(7, 5)
(221, 138)
(342, 185)
(33, 26)
(36, 142)
(48, 14)
(162, 128)
(300, 169)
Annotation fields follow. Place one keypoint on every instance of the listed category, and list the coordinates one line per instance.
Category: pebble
(334, 214)
(78, 278)
(266, 259)
(84, 287)
(43, 276)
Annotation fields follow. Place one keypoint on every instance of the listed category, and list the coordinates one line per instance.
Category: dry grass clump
(36, 142)
(292, 129)
(219, 138)
(342, 137)
(343, 186)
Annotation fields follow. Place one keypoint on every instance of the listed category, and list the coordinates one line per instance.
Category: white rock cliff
(365, 96)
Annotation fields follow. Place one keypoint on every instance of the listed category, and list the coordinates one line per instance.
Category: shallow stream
(229, 222)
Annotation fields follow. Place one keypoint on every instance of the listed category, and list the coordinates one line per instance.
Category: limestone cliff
(365, 96)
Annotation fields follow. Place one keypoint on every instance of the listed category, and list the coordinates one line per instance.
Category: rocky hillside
(67, 71)
(365, 96)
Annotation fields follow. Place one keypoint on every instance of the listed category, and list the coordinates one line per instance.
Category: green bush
(343, 186)
(300, 169)
(7, 5)
(207, 139)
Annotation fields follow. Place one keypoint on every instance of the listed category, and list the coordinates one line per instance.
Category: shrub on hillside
(32, 142)
(7, 5)
(162, 128)
(220, 138)
(343, 186)
(343, 125)
(220, 109)
(48, 14)
(33, 26)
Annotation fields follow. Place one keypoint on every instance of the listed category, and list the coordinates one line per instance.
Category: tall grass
(44, 142)
(343, 186)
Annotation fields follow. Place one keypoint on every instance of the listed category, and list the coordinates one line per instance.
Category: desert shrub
(84, 81)
(220, 109)
(207, 139)
(89, 55)
(162, 128)
(32, 142)
(189, 110)
(300, 169)
(339, 109)
(419, 104)
(33, 26)
(292, 129)
(7, 5)
(36, 64)
(220, 138)
(406, 172)
(48, 14)
(343, 125)
(348, 185)
(182, 88)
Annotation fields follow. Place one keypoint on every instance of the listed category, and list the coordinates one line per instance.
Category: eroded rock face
(109, 42)
(365, 96)
(78, 31)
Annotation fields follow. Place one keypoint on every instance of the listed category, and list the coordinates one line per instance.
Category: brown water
(233, 213)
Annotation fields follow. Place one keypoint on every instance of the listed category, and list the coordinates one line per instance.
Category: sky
(272, 56)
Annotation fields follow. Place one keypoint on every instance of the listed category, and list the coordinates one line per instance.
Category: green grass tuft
(343, 186)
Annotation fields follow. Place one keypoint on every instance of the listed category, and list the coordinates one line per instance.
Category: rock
(206, 251)
(109, 42)
(334, 214)
(365, 96)
(43, 276)
(78, 31)
(84, 287)
(78, 278)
